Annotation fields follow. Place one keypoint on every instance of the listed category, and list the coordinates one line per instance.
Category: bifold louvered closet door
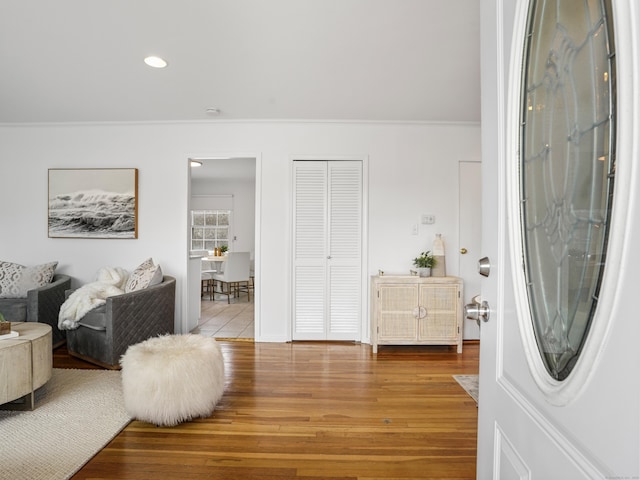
(327, 264)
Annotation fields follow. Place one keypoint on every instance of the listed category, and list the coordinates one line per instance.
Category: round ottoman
(172, 378)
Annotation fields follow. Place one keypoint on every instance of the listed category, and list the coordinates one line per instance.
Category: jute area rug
(470, 384)
(77, 413)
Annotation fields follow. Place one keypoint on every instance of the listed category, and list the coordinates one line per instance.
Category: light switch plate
(428, 219)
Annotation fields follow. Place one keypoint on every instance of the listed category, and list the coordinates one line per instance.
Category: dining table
(217, 261)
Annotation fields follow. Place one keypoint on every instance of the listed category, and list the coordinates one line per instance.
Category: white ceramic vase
(439, 270)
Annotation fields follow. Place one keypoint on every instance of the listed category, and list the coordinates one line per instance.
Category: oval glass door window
(567, 165)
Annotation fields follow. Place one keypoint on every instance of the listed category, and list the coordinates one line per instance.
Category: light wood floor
(313, 411)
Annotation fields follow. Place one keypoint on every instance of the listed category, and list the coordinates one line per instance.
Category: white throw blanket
(109, 281)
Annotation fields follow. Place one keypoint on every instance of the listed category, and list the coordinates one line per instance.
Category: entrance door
(547, 411)
(327, 256)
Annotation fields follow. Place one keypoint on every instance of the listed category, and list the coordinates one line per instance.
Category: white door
(327, 286)
(587, 424)
(470, 230)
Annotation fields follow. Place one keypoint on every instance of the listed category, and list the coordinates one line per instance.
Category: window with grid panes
(209, 229)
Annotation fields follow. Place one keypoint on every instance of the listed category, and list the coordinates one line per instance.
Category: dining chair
(252, 274)
(206, 278)
(235, 278)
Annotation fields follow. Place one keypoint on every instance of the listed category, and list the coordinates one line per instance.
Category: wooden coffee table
(26, 363)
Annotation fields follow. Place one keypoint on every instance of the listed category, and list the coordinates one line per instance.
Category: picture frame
(93, 203)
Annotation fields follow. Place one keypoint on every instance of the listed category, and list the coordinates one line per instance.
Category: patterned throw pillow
(16, 280)
(146, 275)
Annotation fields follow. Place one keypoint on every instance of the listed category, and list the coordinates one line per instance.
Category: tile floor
(221, 320)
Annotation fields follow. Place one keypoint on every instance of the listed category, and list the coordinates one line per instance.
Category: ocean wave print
(92, 213)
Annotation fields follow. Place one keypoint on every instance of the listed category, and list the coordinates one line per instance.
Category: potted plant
(424, 263)
(223, 249)
(5, 326)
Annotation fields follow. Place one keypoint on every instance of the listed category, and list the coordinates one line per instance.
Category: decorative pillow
(16, 280)
(146, 275)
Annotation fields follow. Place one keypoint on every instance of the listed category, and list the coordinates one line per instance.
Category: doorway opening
(222, 216)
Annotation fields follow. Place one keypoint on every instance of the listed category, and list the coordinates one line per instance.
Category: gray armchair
(104, 334)
(41, 305)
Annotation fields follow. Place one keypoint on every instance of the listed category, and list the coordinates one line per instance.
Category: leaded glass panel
(566, 170)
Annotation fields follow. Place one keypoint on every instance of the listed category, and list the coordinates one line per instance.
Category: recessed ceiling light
(155, 62)
(195, 163)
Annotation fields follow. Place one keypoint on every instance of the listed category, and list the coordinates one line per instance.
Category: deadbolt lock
(484, 266)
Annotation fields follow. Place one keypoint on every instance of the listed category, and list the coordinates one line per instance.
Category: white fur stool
(173, 378)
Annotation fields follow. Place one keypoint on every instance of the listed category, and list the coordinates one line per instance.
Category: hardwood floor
(313, 411)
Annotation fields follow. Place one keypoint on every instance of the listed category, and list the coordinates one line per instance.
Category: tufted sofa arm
(41, 305)
(137, 316)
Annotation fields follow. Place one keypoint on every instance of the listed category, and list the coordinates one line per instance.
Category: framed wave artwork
(93, 203)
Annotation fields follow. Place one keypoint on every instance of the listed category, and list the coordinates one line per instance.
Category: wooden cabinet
(411, 310)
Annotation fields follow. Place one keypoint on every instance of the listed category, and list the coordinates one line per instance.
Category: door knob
(463, 250)
(477, 310)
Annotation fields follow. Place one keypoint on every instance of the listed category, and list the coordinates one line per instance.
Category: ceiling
(371, 60)
(224, 169)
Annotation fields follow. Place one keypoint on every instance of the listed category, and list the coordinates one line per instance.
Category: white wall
(412, 170)
(243, 206)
